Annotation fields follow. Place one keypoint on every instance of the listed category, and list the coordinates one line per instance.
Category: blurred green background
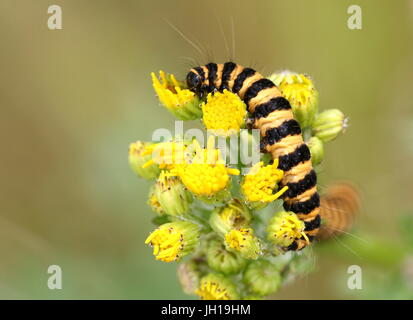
(72, 100)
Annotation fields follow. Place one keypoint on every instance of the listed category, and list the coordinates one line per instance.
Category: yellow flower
(137, 158)
(284, 228)
(242, 240)
(216, 287)
(259, 184)
(181, 102)
(171, 241)
(223, 112)
(206, 174)
(165, 154)
(233, 215)
(299, 90)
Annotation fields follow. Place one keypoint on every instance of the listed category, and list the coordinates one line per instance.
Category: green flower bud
(222, 260)
(284, 228)
(173, 197)
(234, 215)
(217, 287)
(188, 276)
(299, 90)
(243, 242)
(316, 147)
(328, 124)
(153, 202)
(174, 240)
(137, 160)
(262, 277)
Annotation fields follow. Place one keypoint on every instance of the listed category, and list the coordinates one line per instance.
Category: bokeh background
(72, 100)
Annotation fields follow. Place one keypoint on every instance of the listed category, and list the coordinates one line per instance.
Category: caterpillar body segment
(339, 206)
(280, 133)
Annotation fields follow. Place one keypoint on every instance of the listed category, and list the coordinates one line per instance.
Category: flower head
(181, 102)
(261, 182)
(328, 124)
(206, 174)
(284, 228)
(242, 240)
(299, 90)
(137, 158)
(153, 202)
(262, 277)
(221, 260)
(171, 241)
(165, 154)
(216, 287)
(233, 215)
(224, 112)
(172, 196)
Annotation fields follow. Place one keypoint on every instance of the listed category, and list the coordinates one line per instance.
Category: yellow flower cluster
(206, 174)
(295, 87)
(259, 184)
(285, 227)
(242, 240)
(169, 91)
(224, 113)
(165, 154)
(299, 90)
(180, 101)
(216, 287)
(171, 241)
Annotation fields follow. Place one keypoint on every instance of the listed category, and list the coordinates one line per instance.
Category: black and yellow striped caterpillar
(339, 206)
(281, 135)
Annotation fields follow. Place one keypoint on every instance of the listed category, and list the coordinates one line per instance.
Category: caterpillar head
(194, 82)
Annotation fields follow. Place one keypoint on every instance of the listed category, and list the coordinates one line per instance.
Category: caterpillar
(280, 135)
(338, 209)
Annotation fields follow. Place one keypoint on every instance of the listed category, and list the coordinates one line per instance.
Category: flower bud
(217, 287)
(284, 228)
(173, 197)
(188, 276)
(234, 215)
(137, 160)
(171, 241)
(316, 147)
(262, 277)
(244, 242)
(153, 202)
(181, 102)
(222, 260)
(299, 90)
(328, 124)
